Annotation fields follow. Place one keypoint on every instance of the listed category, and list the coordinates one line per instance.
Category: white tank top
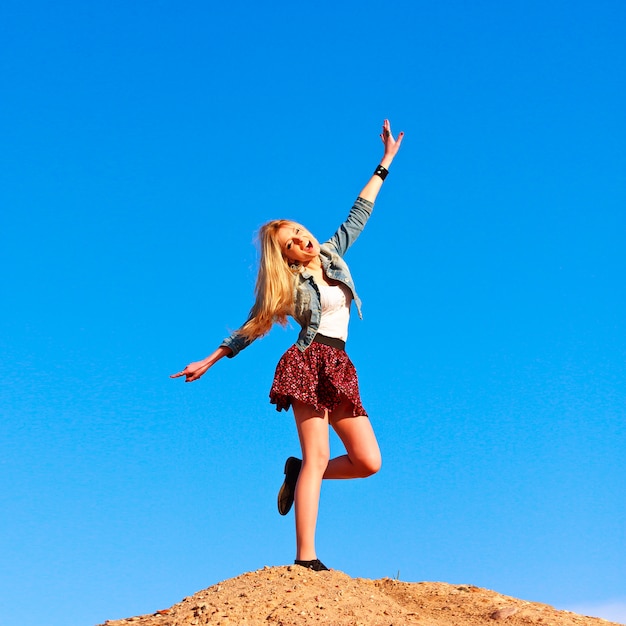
(335, 300)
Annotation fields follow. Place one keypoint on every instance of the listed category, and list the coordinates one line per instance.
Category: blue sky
(143, 145)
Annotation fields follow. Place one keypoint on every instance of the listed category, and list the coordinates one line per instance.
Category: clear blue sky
(143, 143)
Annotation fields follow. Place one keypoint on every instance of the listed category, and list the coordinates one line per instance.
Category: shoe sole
(286, 494)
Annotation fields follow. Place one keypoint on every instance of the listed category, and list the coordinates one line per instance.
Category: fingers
(391, 145)
(188, 375)
(386, 132)
(191, 372)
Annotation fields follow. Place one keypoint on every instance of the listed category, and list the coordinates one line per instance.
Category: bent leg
(363, 456)
(313, 433)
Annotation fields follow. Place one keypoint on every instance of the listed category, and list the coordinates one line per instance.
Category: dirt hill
(293, 596)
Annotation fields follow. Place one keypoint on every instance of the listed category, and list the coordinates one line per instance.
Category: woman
(310, 282)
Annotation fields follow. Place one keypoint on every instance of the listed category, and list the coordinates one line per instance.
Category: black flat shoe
(316, 565)
(288, 488)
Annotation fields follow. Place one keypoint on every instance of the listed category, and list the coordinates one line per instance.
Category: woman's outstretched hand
(194, 370)
(391, 145)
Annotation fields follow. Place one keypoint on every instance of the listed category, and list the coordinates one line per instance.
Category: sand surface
(293, 596)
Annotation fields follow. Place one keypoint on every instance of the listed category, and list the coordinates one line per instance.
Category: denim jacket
(307, 304)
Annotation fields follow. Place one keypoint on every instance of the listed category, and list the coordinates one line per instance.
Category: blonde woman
(310, 282)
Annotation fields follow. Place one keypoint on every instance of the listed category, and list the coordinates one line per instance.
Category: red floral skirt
(321, 376)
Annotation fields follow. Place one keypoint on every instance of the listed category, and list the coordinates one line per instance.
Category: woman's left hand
(371, 189)
(391, 145)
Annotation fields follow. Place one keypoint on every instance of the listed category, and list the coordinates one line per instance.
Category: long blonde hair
(275, 284)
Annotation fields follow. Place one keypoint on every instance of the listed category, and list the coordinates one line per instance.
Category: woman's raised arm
(371, 189)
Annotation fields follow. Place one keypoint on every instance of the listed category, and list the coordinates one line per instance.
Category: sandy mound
(294, 596)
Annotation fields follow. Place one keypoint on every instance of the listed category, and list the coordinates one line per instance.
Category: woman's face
(297, 243)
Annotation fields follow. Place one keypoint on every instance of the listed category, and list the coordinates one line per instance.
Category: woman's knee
(369, 464)
(316, 460)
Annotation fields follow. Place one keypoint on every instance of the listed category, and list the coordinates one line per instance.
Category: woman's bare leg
(313, 433)
(357, 435)
(362, 459)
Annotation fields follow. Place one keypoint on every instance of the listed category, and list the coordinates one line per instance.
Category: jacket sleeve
(348, 232)
(236, 343)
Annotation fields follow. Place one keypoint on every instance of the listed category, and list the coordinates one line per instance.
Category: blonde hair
(275, 284)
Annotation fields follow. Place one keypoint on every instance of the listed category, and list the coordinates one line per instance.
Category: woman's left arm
(348, 232)
(371, 189)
